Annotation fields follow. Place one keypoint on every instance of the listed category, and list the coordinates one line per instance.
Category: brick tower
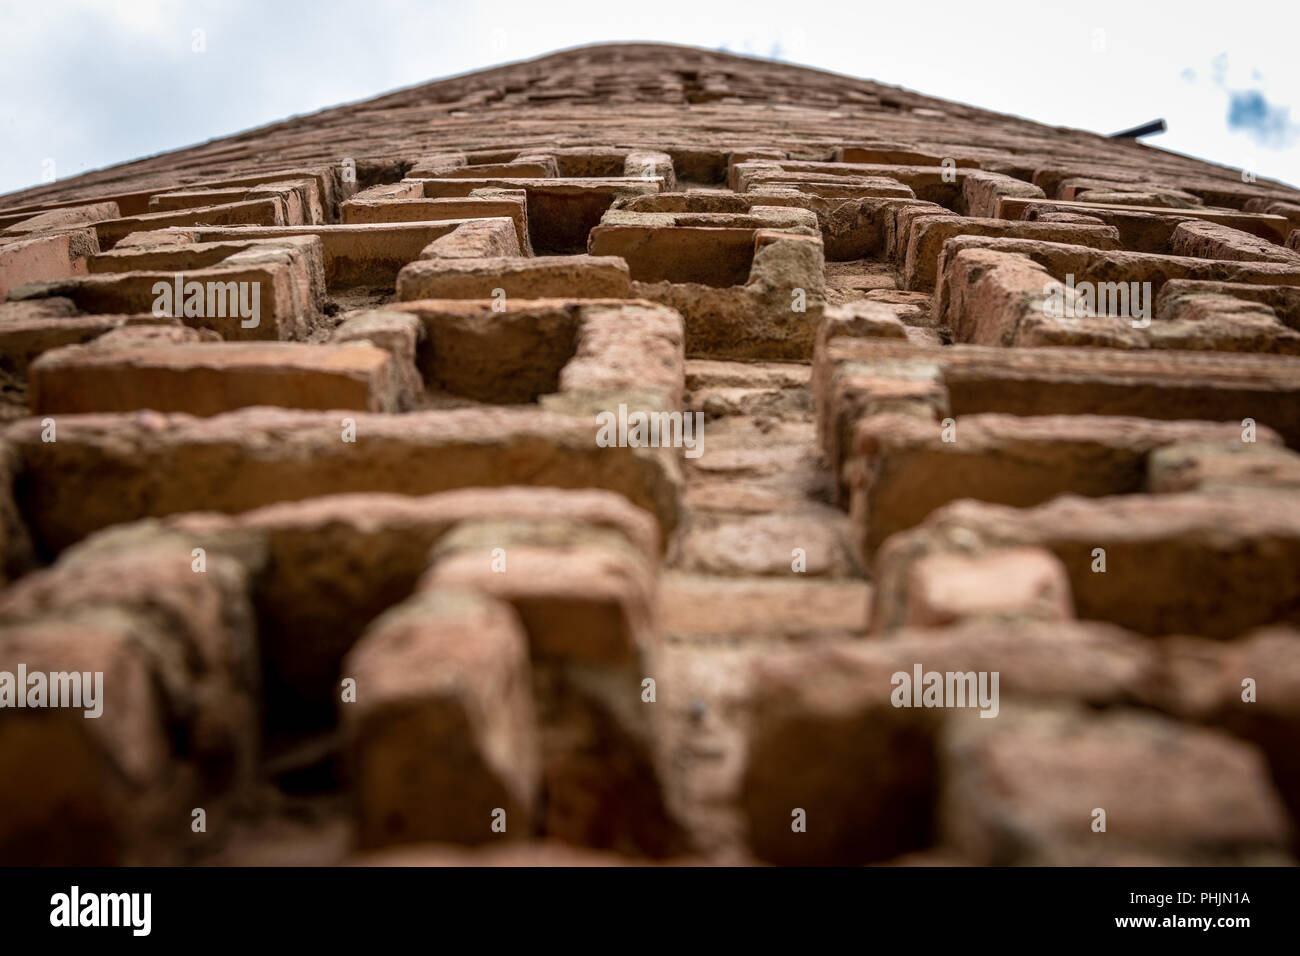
(646, 452)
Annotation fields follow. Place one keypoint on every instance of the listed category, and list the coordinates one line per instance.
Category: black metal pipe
(1146, 129)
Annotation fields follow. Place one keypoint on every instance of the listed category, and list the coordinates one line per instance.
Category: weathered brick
(928, 234)
(586, 277)
(824, 736)
(583, 593)
(1213, 240)
(326, 567)
(400, 335)
(44, 258)
(715, 249)
(210, 378)
(115, 468)
(1202, 466)
(358, 254)
(1147, 228)
(442, 736)
(257, 212)
(178, 721)
(1025, 790)
(358, 210)
(61, 218)
(1165, 386)
(904, 468)
(561, 212)
(1016, 582)
(1208, 564)
(26, 335)
(295, 195)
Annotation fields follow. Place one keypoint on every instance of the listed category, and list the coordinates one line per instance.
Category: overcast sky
(90, 83)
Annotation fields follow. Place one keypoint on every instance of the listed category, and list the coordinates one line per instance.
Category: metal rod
(1146, 129)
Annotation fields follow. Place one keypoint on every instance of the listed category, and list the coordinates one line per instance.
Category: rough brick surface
(442, 733)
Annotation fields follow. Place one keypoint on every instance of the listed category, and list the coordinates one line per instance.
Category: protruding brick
(903, 468)
(1205, 564)
(1220, 466)
(114, 468)
(561, 212)
(27, 331)
(442, 737)
(400, 335)
(243, 291)
(255, 212)
(824, 735)
(1017, 582)
(928, 234)
(62, 218)
(178, 712)
(314, 601)
(586, 277)
(1025, 789)
(44, 258)
(358, 210)
(1147, 228)
(582, 593)
(1213, 240)
(476, 239)
(211, 378)
(1161, 385)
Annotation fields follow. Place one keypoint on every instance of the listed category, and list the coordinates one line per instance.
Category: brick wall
(649, 453)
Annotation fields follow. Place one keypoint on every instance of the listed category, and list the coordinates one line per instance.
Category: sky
(91, 83)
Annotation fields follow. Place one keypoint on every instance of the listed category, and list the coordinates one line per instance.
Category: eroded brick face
(519, 459)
